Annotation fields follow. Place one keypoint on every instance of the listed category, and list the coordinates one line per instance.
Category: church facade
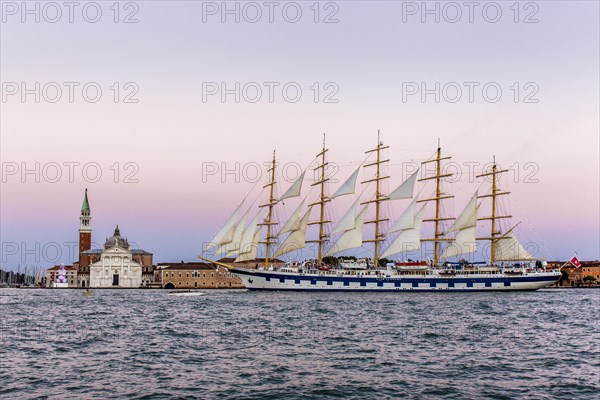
(116, 265)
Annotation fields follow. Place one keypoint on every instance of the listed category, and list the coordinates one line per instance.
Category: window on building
(195, 284)
(187, 274)
(180, 274)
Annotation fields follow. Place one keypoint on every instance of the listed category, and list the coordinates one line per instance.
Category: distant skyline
(365, 72)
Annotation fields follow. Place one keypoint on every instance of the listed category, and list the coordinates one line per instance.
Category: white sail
(468, 218)
(245, 240)
(409, 239)
(224, 249)
(225, 234)
(348, 220)
(293, 223)
(463, 243)
(295, 189)
(238, 232)
(406, 220)
(297, 239)
(406, 189)
(351, 238)
(508, 248)
(247, 236)
(252, 249)
(349, 186)
(234, 245)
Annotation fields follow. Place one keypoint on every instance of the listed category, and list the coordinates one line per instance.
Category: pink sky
(171, 132)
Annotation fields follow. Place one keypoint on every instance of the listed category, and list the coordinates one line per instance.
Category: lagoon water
(239, 344)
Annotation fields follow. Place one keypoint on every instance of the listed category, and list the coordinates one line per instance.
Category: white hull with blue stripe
(255, 279)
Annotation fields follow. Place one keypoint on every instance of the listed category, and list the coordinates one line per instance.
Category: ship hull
(273, 280)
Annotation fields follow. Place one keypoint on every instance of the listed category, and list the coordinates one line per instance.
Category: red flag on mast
(575, 262)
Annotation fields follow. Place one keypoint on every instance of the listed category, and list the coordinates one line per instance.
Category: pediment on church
(116, 250)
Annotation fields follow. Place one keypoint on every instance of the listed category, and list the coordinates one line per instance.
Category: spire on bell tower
(85, 217)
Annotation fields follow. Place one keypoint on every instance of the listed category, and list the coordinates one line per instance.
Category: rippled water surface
(239, 344)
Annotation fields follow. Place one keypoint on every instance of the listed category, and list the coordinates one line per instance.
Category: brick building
(195, 275)
(573, 276)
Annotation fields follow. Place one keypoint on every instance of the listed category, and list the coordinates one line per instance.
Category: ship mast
(494, 232)
(323, 199)
(269, 220)
(379, 198)
(439, 196)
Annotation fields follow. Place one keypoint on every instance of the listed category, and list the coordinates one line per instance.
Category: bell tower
(85, 232)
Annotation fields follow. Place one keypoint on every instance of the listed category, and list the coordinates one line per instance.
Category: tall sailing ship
(366, 223)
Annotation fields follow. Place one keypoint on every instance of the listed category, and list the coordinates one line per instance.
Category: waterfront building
(195, 275)
(581, 276)
(71, 275)
(554, 265)
(577, 276)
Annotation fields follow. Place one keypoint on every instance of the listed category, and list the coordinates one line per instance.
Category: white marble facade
(116, 267)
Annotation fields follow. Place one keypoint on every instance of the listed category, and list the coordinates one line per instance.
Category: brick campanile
(85, 233)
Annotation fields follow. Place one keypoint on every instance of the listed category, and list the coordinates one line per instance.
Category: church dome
(116, 240)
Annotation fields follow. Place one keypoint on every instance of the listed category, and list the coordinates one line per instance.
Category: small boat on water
(185, 293)
(87, 292)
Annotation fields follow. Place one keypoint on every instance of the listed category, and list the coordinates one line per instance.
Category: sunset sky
(152, 153)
